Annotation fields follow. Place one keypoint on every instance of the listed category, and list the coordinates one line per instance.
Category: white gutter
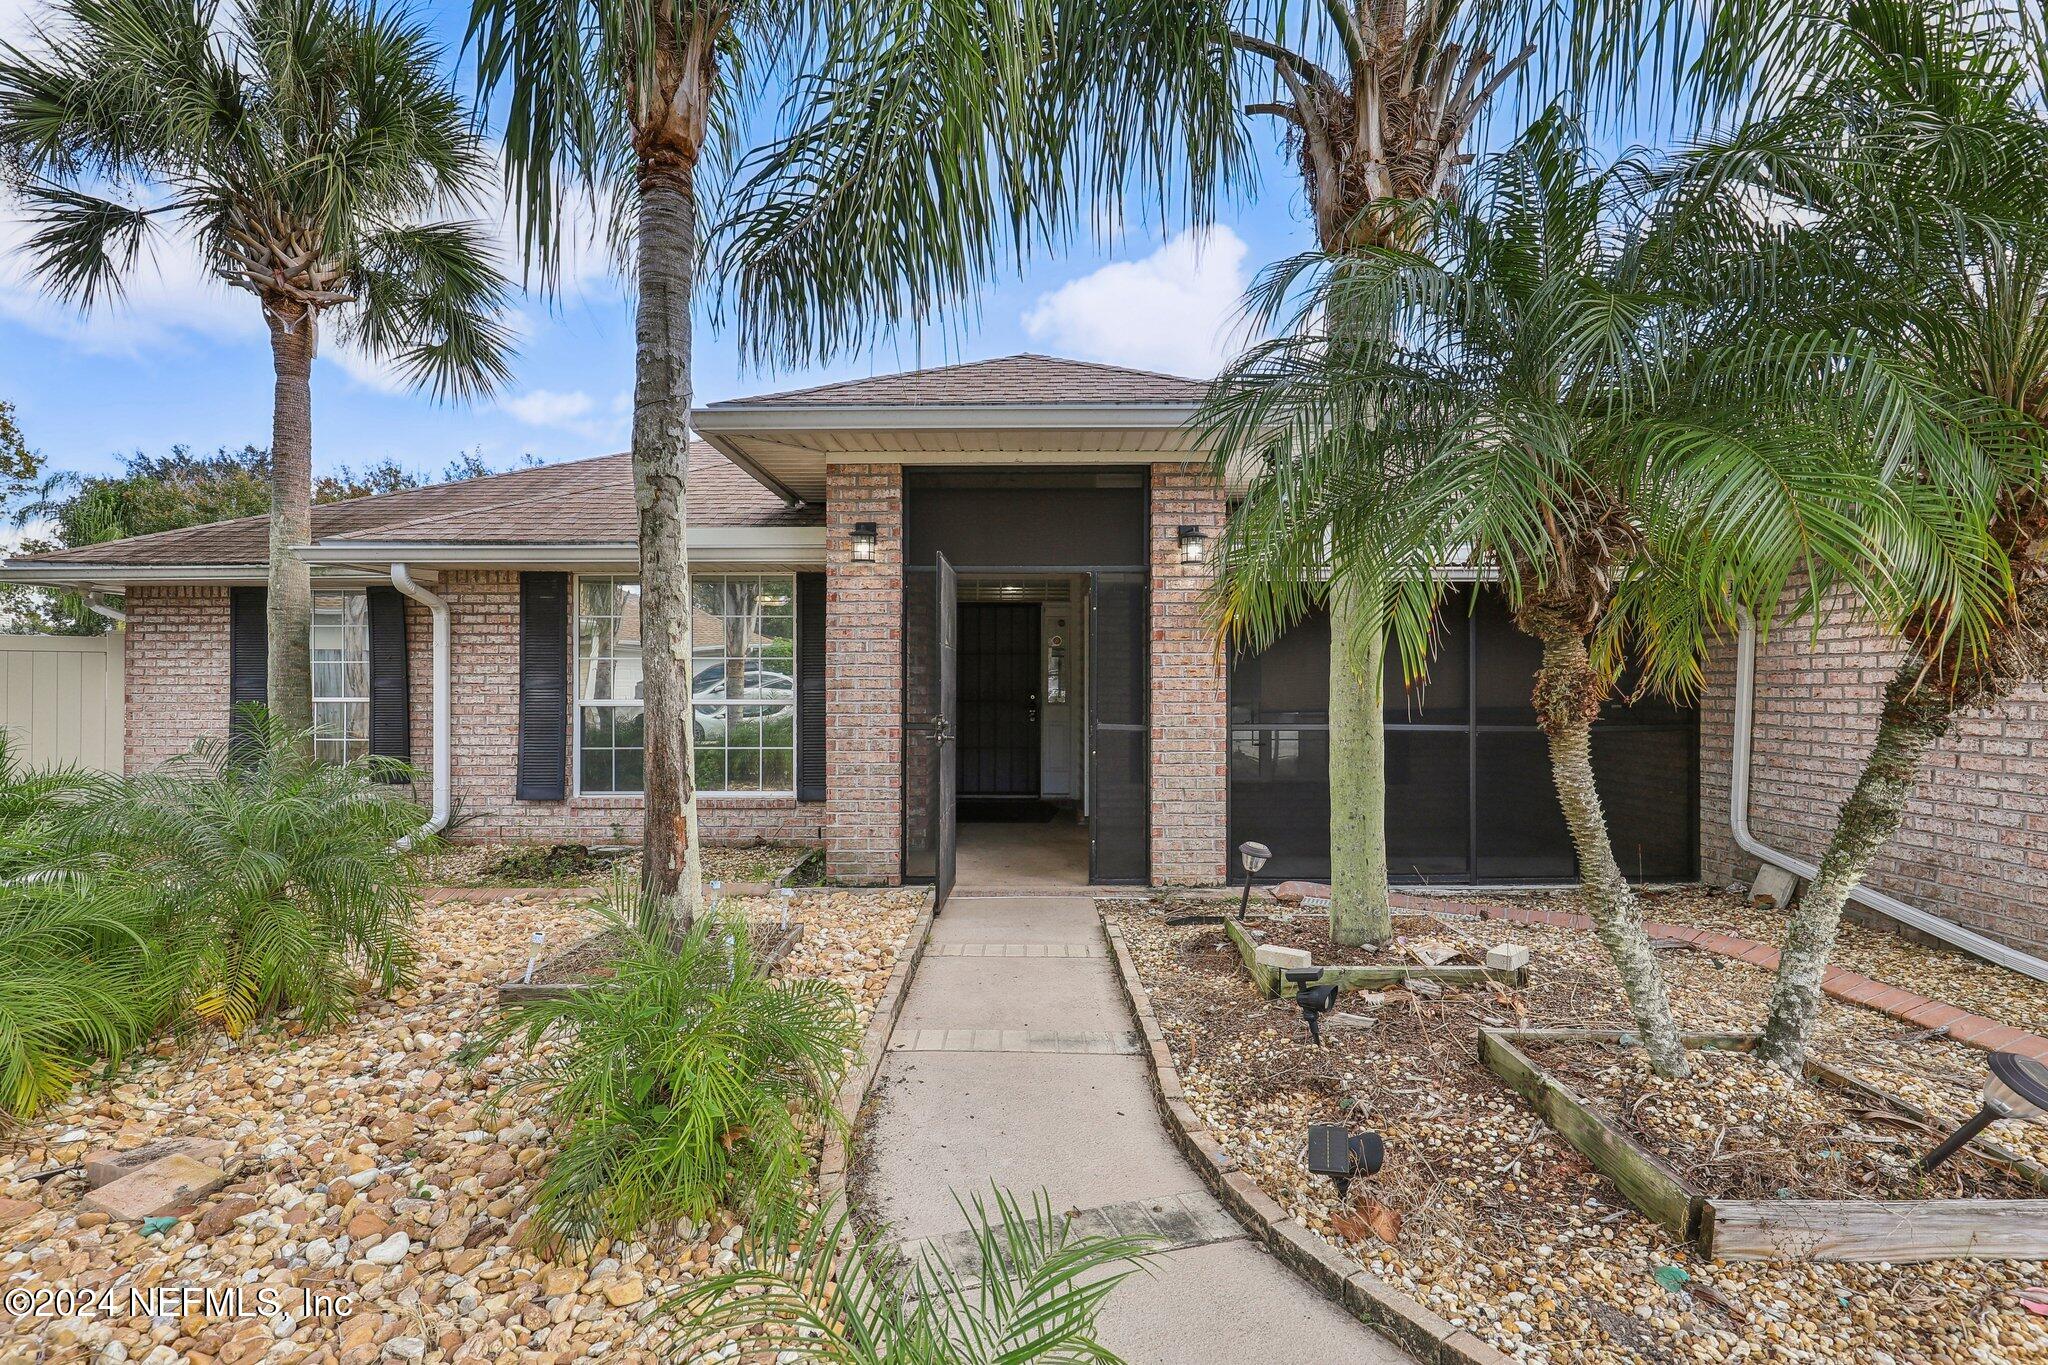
(1990, 949)
(96, 602)
(438, 607)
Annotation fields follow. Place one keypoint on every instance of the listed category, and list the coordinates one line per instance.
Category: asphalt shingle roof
(576, 502)
(1021, 379)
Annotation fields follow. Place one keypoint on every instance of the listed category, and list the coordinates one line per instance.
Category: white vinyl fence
(60, 699)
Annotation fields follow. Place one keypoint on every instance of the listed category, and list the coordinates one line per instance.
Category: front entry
(1049, 624)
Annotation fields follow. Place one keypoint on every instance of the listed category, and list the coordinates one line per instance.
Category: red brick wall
(177, 693)
(864, 676)
(1190, 689)
(1974, 846)
(175, 671)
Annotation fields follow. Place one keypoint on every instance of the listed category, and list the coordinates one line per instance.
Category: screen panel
(1120, 826)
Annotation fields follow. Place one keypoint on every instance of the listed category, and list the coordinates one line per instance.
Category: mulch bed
(1504, 1228)
(1310, 928)
(1738, 1129)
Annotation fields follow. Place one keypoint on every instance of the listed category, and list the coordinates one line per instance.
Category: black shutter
(543, 687)
(390, 687)
(810, 687)
(248, 655)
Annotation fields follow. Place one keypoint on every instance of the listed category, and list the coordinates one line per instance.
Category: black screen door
(946, 722)
(1120, 638)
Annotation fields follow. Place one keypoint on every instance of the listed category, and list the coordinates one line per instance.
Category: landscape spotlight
(1253, 856)
(1314, 1000)
(2018, 1089)
(1342, 1155)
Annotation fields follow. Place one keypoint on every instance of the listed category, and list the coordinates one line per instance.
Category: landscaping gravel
(1503, 1227)
(365, 1163)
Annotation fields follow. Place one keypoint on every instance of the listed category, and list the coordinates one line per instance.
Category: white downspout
(438, 608)
(97, 603)
(1990, 949)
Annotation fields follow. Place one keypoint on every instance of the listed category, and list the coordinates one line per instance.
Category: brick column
(175, 656)
(864, 677)
(1190, 689)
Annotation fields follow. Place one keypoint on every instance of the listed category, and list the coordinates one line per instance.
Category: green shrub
(682, 1082)
(280, 880)
(77, 976)
(852, 1301)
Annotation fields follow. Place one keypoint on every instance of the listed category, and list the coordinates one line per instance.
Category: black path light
(1341, 1155)
(2018, 1089)
(1314, 1000)
(1254, 856)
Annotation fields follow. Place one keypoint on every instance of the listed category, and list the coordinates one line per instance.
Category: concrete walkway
(1014, 1063)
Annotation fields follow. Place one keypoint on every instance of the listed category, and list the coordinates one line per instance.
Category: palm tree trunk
(288, 614)
(1359, 912)
(1916, 715)
(1567, 700)
(661, 458)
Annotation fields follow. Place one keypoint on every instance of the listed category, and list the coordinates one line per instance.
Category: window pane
(597, 770)
(356, 720)
(597, 727)
(743, 770)
(1521, 831)
(776, 771)
(626, 771)
(327, 674)
(355, 679)
(629, 726)
(711, 769)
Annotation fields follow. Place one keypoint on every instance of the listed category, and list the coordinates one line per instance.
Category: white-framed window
(742, 684)
(341, 675)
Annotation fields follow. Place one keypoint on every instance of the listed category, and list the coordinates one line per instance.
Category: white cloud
(168, 293)
(546, 408)
(1174, 310)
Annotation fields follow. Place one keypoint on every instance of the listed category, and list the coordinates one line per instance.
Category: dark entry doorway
(999, 722)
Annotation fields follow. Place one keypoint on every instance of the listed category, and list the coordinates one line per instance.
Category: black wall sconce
(863, 542)
(1194, 546)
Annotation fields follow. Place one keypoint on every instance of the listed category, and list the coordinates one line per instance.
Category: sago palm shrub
(278, 880)
(78, 980)
(836, 1297)
(680, 1081)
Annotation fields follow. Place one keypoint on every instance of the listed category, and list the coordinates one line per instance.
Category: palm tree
(1914, 158)
(1378, 100)
(625, 104)
(304, 148)
(1569, 406)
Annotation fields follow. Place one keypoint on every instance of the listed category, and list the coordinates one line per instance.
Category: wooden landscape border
(1363, 978)
(1898, 1231)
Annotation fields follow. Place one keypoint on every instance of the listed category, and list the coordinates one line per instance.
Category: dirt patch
(1418, 939)
(1508, 1231)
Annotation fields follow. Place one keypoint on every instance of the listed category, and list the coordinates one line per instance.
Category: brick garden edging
(874, 1045)
(1365, 1296)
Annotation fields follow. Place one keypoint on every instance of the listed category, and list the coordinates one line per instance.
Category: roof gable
(1015, 380)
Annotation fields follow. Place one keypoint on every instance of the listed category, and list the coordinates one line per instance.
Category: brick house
(963, 608)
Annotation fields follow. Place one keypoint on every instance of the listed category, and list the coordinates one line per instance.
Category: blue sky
(184, 360)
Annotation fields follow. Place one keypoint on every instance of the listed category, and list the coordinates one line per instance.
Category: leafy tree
(20, 467)
(168, 493)
(304, 146)
(1557, 393)
(1913, 157)
(1007, 111)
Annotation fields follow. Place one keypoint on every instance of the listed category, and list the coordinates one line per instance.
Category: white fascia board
(116, 575)
(963, 417)
(721, 544)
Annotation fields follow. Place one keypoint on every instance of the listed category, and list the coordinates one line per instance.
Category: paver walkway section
(1014, 1063)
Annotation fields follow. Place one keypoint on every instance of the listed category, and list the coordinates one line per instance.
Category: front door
(999, 739)
(946, 722)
